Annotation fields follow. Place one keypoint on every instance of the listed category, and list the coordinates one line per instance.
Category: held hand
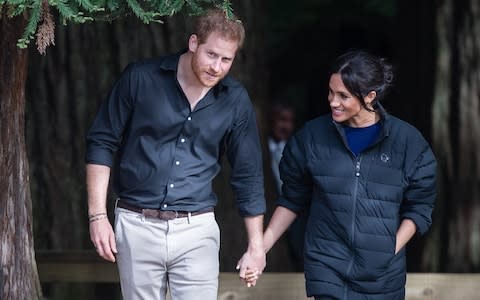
(251, 277)
(103, 238)
(251, 266)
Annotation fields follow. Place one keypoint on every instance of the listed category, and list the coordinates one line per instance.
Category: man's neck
(191, 86)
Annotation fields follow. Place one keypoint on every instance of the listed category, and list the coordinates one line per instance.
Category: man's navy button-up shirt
(163, 154)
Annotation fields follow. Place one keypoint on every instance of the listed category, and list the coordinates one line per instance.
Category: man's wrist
(97, 216)
(103, 213)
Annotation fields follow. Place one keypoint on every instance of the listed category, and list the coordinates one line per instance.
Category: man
(282, 124)
(169, 120)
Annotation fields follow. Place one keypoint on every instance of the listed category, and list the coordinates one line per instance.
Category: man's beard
(200, 73)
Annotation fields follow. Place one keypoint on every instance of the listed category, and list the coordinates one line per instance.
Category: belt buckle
(167, 214)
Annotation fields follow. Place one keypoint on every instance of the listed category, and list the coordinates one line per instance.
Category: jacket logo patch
(384, 157)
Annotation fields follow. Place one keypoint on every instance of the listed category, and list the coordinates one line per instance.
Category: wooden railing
(86, 266)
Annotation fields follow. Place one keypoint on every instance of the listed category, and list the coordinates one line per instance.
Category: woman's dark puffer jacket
(356, 205)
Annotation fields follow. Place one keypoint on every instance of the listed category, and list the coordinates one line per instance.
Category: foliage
(40, 20)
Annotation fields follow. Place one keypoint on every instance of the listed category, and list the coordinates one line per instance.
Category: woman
(369, 181)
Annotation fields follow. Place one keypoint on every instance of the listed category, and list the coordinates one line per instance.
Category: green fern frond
(227, 7)
(145, 16)
(65, 11)
(89, 6)
(162, 7)
(81, 11)
(112, 10)
(15, 7)
(31, 28)
(194, 6)
(197, 7)
(176, 6)
(71, 12)
(17, 10)
(17, 2)
(112, 5)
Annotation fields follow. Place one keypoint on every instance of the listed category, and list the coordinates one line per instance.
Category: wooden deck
(85, 266)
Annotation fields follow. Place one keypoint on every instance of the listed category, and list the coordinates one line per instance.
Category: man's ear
(193, 43)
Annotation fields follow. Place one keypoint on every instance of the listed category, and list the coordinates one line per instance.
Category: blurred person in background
(282, 119)
(282, 124)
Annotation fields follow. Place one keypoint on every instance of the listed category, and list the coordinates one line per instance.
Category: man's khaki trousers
(179, 254)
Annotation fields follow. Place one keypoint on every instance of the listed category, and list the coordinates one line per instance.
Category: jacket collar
(385, 121)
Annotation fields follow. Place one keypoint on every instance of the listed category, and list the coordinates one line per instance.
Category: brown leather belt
(160, 214)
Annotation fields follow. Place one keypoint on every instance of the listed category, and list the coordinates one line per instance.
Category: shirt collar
(274, 145)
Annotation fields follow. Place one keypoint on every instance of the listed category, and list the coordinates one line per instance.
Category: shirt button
(182, 140)
(165, 206)
(172, 185)
(177, 162)
(189, 118)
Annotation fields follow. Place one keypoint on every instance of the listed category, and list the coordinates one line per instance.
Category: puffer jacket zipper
(357, 167)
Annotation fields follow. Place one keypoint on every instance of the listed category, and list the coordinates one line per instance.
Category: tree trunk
(18, 273)
(413, 96)
(456, 124)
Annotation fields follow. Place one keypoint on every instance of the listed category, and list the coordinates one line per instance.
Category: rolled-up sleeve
(104, 136)
(419, 197)
(245, 157)
(297, 182)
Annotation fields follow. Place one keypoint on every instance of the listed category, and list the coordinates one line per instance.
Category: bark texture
(456, 132)
(18, 271)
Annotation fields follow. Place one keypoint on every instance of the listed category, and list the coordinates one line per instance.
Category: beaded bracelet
(97, 214)
(97, 217)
